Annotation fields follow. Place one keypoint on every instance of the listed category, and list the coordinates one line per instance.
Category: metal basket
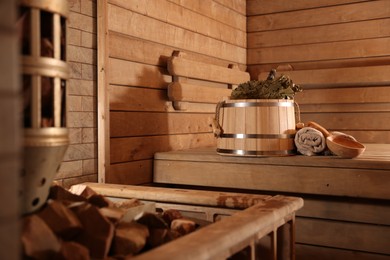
(45, 71)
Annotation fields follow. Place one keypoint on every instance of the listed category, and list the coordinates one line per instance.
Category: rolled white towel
(309, 141)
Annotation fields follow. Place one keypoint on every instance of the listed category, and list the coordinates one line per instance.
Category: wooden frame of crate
(261, 224)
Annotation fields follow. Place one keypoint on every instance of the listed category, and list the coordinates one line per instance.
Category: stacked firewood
(81, 224)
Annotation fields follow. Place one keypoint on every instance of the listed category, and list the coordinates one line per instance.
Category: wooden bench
(347, 201)
(261, 223)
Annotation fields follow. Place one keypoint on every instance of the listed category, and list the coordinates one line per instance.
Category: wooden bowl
(344, 146)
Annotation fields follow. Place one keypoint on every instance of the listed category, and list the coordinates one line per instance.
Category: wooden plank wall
(316, 36)
(135, 39)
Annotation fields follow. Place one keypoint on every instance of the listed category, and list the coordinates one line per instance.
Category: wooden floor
(347, 201)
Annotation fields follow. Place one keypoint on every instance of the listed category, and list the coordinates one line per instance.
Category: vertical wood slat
(35, 48)
(103, 93)
(57, 81)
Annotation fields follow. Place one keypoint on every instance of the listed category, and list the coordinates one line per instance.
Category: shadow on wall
(138, 126)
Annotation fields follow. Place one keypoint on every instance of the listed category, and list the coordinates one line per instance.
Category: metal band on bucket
(264, 153)
(259, 104)
(260, 136)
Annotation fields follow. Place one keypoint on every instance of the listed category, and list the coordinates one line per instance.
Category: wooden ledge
(365, 177)
(376, 156)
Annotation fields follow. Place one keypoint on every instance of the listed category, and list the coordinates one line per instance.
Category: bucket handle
(217, 128)
(297, 114)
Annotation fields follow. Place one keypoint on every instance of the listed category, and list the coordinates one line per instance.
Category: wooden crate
(262, 224)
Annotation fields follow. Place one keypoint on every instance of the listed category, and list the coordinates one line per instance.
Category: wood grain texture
(368, 238)
(370, 29)
(322, 181)
(131, 173)
(102, 98)
(261, 215)
(341, 214)
(158, 31)
(352, 76)
(194, 93)
(140, 37)
(124, 124)
(320, 51)
(141, 74)
(230, 200)
(320, 16)
(179, 66)
(186, 19)
(347, 210)
(345, 96)
(308, 252)
(257, 7)
(210, 8)
(140, 148)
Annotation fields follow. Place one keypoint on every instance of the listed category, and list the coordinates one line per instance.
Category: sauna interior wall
(139, 36)
(318, 35)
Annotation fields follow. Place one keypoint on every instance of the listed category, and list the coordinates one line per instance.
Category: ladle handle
(319, 128)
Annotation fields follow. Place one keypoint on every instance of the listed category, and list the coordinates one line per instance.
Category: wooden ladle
(342, 145)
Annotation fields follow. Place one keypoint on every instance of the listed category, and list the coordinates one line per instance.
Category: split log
(183, 226)
(152, 221)
(38, 240)
(113, 214)
(73, 251)
(130, 238)
(82, 190)
(100, 201)
(170, 215)
(60, 193)
(98, 230)
(62, 221)
(127, 204)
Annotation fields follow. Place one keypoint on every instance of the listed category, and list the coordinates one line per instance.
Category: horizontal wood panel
(124, 124)
(154, 54)
(320, 16)
(321, 51)
(344, 96)
(138, 99)
(141, 74)
(185, 18)
(257, 7)
(380, 137)
(157, 54)
(362, 237)
(236, 5)
(346, 210)
(158, 31)
(353, 76)
(350, 121)
(322, 181)
(216, 11)
(146, 99)
(141, 148)
(194, 93)
(370, 29)
(255, 70)
(310, 252)
(179, 66)
(339, 107)
(376, 156)
(131, 173)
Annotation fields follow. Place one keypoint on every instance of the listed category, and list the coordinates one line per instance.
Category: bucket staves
(256, 127)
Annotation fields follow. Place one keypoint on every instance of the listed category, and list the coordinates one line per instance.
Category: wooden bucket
(256, 127)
